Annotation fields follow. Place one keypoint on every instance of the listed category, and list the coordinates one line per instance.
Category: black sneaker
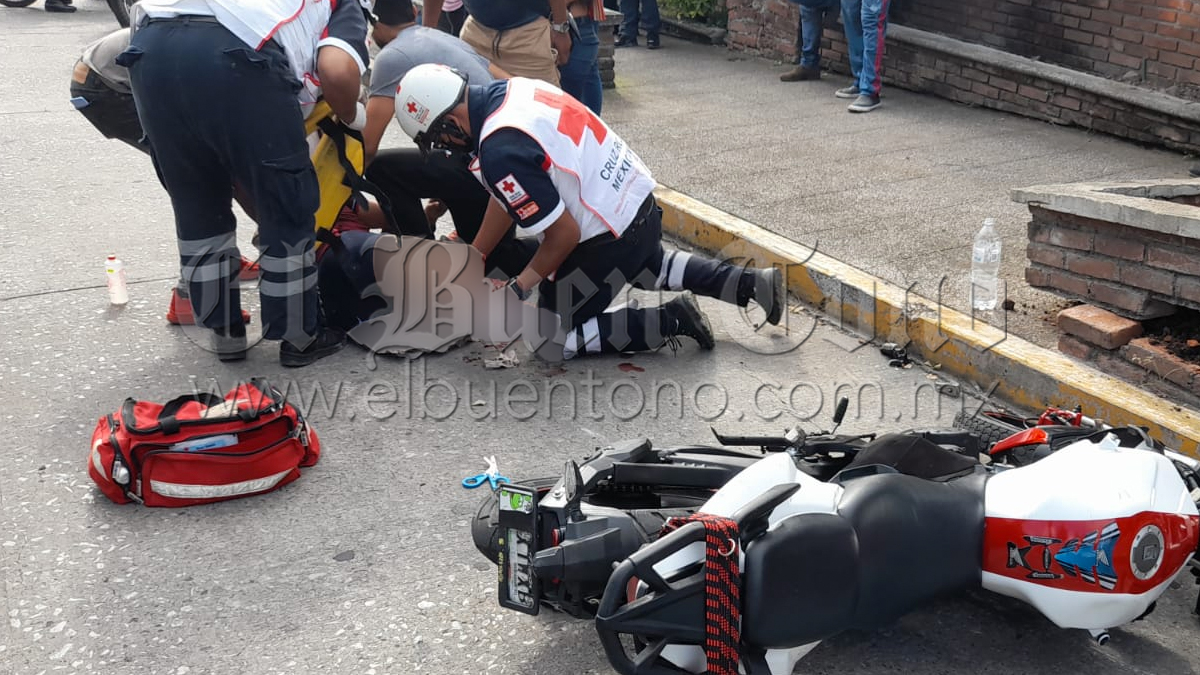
(61, 6)
(769, 293)
(328, 341)
(683, 317)
(229, 342)
(1195, 170)
(652, 43)
(626, 42)
(764, 286)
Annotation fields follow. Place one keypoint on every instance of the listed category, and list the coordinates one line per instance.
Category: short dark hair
(395, 12)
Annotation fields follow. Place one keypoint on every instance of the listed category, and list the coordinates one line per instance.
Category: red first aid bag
(200, 448)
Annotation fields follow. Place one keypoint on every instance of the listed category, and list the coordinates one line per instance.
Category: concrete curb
(1013, 369)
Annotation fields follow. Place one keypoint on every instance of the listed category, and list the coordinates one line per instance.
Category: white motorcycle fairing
(1090, 536)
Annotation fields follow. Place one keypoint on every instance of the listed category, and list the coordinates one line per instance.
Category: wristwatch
(522, 295)
(564, 27)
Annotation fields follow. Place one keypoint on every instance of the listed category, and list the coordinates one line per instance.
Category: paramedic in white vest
(222, 89)
(555, 168)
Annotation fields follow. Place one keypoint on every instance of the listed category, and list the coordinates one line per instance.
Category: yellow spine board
(330, 174)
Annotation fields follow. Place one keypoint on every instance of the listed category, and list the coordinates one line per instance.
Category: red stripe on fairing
(877, 83)
(1180, 534)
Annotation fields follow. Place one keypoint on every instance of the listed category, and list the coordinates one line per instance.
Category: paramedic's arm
(379, 113)
(496, 222)
(342, 59)
(431, 12)
(560, 41)
(558, 240)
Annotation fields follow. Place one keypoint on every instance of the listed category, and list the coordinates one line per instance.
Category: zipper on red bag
(166, 449)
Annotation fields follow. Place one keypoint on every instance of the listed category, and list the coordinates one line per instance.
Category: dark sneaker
(769, 293)
(652, 43)
(801, 73)
(848, 92)
(764, 286)
(626, 42)
(683, 317)
(229, 342)
(1195, 170)
(864, 103)
(328, 341)
(62, 6)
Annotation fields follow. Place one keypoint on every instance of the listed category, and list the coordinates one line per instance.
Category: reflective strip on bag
(186, 491)
(97, 462)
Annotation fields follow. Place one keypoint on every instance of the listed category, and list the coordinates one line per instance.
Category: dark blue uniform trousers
(218, 113)
(594, 274)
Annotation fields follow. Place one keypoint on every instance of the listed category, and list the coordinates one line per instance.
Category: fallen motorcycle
(1090, 535)
(556, 539)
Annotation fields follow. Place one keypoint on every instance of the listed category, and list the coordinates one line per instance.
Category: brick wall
(972, 83)
(1150, 41)
(1158, 34)
(1133, 272)
(765, 27)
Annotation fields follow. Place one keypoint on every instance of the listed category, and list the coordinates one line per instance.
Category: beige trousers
(523, 51)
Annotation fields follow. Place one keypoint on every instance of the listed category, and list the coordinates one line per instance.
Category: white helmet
(425, 94)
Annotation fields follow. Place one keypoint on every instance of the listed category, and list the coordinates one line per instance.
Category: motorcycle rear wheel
(989, 429)
(17, 3)
(120, 9)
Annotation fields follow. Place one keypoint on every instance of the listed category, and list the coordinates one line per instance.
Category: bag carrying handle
(166, 422)
(174, 405)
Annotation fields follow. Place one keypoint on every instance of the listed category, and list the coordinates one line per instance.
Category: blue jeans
(812, 22)
(648, 15)
(866, 26)
(580, 76)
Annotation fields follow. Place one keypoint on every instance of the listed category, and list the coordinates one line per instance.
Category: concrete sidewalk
(899, 192)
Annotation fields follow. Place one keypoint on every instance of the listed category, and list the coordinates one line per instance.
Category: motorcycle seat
(895, 542)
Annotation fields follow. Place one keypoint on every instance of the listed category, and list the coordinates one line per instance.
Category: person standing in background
(866, 26)
(525, 38)
(645, 12)
(581, 74)
(808, 40)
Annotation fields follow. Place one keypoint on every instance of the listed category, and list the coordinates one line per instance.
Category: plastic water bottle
(118, 291)
(985, 266)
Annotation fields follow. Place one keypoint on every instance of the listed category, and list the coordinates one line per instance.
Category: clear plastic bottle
(985, 267)
(118, 291)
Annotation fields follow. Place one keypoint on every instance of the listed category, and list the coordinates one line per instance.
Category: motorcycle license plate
(519, 588)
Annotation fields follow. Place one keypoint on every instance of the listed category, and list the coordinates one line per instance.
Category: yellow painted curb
(1021, 373)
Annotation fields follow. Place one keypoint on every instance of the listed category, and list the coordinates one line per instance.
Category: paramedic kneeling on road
(222, 89)
(563, 175)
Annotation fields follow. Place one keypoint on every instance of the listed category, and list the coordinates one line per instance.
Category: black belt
(643, 212)
(190, 18)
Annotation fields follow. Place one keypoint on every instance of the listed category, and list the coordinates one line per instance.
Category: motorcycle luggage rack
(672, 613)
